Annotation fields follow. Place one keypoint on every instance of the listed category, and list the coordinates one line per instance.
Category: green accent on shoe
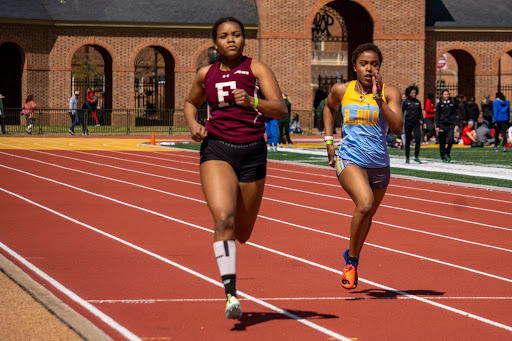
(417, 159)
(233, 307)
(407, 160)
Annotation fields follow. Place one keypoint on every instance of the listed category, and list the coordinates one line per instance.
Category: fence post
(128, 122)
(170, 113)
(38, 119)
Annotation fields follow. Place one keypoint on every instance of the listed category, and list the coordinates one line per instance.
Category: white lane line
(111, 322)
(329, 184)
(86, 305)
(340, 298)
(397, 251)
(270, 185)
(392, 207)
(314, 264)
(292, 224)
(337, 186)
(430, 201)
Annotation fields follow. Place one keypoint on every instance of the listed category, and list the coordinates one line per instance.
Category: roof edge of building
(113, 24)
(444, 29)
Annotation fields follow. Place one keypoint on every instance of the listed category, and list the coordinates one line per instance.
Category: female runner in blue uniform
(362, 164)
(233, 162)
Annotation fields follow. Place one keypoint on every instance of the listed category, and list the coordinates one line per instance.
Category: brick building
(128, 45)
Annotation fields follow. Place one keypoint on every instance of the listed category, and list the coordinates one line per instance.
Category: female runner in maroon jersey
(239, 91)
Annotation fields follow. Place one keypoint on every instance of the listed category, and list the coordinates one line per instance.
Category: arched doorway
(154, 78)
(505, 75)
(154, 86)
(466, 72)
(11, 70)
(207, 57)
(91, 68)
(459, 74)
(337, 29)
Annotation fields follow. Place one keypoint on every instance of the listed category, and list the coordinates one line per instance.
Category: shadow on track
(390, 294)
(252, 318)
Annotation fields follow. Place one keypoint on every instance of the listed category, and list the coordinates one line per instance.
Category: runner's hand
(242, 98)
(198, 132)
(330, 155)
(377, 83)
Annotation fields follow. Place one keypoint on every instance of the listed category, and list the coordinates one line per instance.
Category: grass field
(468, 156)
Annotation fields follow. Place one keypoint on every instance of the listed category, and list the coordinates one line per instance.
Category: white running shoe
(233, 308)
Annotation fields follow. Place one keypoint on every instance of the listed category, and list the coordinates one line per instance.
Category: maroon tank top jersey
(228, 121)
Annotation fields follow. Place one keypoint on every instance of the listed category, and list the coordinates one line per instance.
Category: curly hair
(411, 88)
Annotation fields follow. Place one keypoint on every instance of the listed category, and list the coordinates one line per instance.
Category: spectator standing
(468, 135)
(320, 97)
(413, 118)
(429, 127)
(271, 128)
(85, 115)
(2, 118)
(501, 110)
(73, 112)
(483, 134)
(319, 115)
(284, 124)
(472, 110)
(446, 117)
(28, 110)
(92, 105)
(487, 110)
(462, 113)
(233, 156)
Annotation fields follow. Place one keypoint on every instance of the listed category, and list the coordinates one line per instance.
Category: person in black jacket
(472, 110)
(413, 119)
(446, 117)
(487, 109)
(462, 113)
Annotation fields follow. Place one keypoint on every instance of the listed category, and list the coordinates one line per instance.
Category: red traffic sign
(441, 63)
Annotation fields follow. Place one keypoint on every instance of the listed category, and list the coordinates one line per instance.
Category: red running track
(125, 239)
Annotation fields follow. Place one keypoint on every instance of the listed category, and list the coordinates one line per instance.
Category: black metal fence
(506, 89)
(327, 82)
(149, 94)
(452, 87)
(120, 121)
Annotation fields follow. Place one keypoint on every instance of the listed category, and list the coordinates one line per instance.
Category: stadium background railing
(121, 121)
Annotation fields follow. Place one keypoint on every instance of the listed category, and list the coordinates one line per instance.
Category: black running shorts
(248, 160)
(378, 177)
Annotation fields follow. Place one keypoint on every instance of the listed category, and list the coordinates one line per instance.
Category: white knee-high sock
(225, 252)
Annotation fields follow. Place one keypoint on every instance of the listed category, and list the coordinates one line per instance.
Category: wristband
(328, 138)
(255, 105)
(329, 142)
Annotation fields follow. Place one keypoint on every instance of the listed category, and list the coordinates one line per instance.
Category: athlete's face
(366, 65)
(446, 95)
(413, 94)
(230, 41)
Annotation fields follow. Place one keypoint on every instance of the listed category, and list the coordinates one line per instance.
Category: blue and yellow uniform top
(364, 130)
